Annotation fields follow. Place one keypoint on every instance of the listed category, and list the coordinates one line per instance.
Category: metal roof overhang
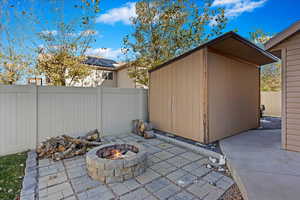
(236, 46)
(232, 44)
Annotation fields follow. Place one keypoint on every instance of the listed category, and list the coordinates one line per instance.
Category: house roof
(232, 44)
(101, 62)
(105, 64)
(286, 33)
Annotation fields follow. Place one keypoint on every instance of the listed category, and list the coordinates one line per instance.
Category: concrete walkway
(262, 170)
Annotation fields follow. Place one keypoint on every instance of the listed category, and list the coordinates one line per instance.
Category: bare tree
(56, 39)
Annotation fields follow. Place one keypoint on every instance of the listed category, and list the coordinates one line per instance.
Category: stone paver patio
(174, 173)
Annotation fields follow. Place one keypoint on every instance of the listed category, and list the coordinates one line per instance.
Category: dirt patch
(232, 193)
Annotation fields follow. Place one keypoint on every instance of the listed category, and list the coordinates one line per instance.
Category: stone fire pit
(116, 162)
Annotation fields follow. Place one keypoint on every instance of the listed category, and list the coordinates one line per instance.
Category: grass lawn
(11, 174)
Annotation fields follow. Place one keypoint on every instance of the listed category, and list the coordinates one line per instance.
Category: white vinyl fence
(29, 114)
(272, 102)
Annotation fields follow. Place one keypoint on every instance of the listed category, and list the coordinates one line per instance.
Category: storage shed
(210, 92)
(286, 45)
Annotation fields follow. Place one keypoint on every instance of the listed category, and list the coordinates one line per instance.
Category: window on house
(107, 75)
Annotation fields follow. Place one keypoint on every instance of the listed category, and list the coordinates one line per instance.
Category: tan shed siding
(160, 99)
(176, 97)
(187, 109)
(233, 96)
(292, 92)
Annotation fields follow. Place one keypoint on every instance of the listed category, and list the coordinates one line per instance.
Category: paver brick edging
(30, 181)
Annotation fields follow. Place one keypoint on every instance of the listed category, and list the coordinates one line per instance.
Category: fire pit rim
(94, 151)
(120, 143)
(104, 169)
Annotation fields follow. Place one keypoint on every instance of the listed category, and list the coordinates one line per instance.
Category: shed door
(161, 99)
(176, 97)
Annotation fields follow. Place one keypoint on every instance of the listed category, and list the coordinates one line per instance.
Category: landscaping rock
(149, 134)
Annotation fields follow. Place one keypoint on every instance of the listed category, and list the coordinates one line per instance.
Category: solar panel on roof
(103, 62)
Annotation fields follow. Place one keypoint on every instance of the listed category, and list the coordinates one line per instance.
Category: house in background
(286, 45)
(105, 73)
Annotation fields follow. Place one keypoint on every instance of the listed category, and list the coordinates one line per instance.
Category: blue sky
(244, 15)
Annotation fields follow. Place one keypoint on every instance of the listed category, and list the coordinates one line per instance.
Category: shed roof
(232, 44)
(278, 38)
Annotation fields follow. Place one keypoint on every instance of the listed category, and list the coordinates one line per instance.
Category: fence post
(100, 109)
(36, 93)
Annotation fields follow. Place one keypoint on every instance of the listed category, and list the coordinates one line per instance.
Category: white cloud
(48, 32)
(224, 2)
(122, 14)
(234, 8)
(105, 52)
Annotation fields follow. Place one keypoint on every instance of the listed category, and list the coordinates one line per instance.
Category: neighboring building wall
(123, 80)
(111, 83)
(233, 96)
(272, 103)
(29, 114)
(290, 54)
(96, 79)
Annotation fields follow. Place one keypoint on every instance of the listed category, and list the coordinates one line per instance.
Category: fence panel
(272, 102)
(17, 118)
(29, 114)
(66, 110)
(119, 107)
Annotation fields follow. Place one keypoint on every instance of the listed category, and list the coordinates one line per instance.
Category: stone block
(113, 179)
(29, 182)
(183, 196)
(130, 162)
(166, 192)
(128, 176)
(101, 178)
(118, 172)
(157, 185)
(109, 164)
(127, 170)
(108, 172)
(28, 197)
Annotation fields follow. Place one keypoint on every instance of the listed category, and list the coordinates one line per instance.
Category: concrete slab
(261, 169)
